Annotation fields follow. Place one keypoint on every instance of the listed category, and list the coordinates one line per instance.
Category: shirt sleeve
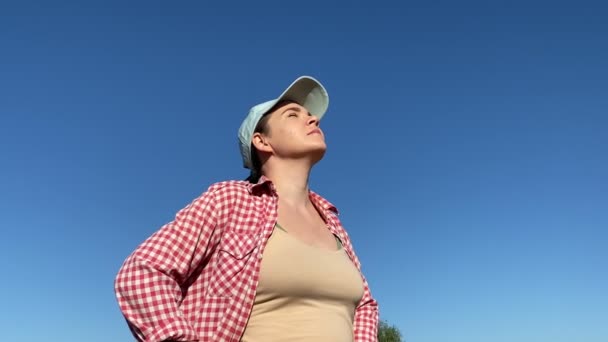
(366, 317)
(149, 284)
(365, 323)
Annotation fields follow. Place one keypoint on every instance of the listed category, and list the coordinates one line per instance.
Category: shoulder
(229, 185)
(228, 192)
(229, 200)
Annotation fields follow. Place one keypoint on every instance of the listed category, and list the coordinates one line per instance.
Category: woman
(264, 259)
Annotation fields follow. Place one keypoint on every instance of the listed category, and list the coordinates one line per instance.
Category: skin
(292, 145)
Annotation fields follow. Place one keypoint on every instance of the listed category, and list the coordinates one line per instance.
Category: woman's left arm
(365, 324)
(366, 319)
(366, 316)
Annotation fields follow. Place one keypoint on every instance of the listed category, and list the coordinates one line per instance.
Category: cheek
(286, 135)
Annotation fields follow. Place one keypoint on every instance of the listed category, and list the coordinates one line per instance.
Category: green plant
(388, 333)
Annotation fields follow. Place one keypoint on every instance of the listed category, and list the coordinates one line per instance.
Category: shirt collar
(263, 184)
(266, 184)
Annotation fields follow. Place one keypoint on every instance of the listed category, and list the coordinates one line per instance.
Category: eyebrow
(288, 108)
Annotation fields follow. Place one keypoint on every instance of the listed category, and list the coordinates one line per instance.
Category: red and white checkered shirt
(195, 279)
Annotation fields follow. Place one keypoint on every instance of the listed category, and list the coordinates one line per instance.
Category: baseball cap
(305, 91)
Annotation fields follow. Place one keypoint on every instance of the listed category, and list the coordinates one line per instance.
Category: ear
(260, 141)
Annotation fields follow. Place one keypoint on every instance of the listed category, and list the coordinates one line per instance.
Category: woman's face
(293, 133)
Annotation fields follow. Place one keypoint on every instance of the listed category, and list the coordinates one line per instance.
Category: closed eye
(292, 111)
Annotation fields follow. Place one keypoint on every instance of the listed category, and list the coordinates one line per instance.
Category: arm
(366, 317)
(365, 323)
(148, 285)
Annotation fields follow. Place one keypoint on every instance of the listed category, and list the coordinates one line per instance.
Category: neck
(291, 182)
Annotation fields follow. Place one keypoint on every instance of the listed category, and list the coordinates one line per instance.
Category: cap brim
(309, 93)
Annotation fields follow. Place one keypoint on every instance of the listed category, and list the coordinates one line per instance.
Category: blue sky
(467, 153)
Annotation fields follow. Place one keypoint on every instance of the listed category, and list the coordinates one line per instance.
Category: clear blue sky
(468, 152)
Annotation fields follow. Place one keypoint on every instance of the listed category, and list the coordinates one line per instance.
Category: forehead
(286, 105)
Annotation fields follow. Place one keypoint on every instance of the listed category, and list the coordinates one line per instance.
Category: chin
(317, 155)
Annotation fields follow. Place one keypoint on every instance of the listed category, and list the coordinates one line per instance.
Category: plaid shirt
(195, 279)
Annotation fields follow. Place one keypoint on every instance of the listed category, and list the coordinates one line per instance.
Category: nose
(313, 120)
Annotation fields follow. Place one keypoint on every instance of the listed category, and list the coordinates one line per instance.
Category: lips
(315, 131)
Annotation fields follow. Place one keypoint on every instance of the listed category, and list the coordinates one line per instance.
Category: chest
(292, 269)
(309, 226)
(235, 265)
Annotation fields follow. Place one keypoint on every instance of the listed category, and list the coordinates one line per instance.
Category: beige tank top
(305, 293)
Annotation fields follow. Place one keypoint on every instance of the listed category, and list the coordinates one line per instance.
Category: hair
(261, 127)
(256, 171)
